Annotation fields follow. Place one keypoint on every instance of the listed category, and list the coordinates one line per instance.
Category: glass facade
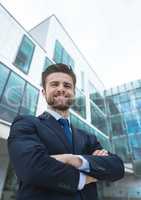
(16, 95)
(98, 119)
(96, 97)
(79, 105)
(78, 123)
(24, 55)
(47, 63)
(61, 55)
(124, 107)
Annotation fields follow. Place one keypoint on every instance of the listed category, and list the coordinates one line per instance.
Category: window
(47, 63)
(16, 95)
(138, 93)
(138, 103)
(97, 119)
(58, 52)
(79, 105)
(117, 125)
(11, 98)
(4, 71)
(132, 123)
(124, 97)
(24, 55)
(96, 97)
(61, 55)
(29, 101)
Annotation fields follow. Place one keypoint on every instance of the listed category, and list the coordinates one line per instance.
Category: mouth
(60, 96)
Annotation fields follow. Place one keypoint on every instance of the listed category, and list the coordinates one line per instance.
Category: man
(52, 159)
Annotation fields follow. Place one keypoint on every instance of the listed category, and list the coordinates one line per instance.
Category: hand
(101, 152)
(90, 179)
(61, 157)
(70, 159)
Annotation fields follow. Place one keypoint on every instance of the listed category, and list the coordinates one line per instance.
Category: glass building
(124, 109)
(113, 115)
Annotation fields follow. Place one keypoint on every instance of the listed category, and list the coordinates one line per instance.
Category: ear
(43, 92)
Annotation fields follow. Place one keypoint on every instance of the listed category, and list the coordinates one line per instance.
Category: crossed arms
(77, 162)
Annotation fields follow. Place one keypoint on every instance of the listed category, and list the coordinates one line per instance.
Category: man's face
(59, 92)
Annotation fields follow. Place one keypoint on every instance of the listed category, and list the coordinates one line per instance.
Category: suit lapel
(53, 124)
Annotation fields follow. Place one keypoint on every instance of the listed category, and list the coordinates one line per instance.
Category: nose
(61, 88)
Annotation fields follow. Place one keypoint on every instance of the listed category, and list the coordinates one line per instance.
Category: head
(58, 82)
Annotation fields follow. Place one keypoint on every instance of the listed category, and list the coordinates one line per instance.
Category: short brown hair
(59, 67)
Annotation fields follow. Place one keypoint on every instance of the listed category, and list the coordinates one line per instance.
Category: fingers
(90, 179)
(101, 152)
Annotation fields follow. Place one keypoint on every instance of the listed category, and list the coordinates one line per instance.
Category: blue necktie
(65, 124)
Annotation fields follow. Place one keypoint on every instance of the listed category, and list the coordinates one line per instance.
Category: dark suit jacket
(31, 142)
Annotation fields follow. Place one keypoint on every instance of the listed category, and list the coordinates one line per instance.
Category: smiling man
(52, 159)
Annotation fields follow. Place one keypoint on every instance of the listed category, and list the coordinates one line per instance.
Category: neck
(63, 113)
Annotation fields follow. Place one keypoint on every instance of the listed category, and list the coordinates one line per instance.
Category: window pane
(24, 56)
(97, 119)
(11, 99)
(65, 57)
(58, 52)
(61, 55)
(138, 103)
(80, 104)
(138, 92)
(71, 62)
(30, 99)
(4, 71)
(123, 97)
(96, 97)
(47, 63)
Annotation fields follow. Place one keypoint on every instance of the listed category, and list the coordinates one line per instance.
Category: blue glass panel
(30, 99)
(124, 97)
(24, 55)
(4, 71)
(79, 105)
(132, 123)
(47, 63)
(138, 93)
(11, 99)
(61, 55)
(138, 103)
(125, 107)
(58, 52)
(97, 119)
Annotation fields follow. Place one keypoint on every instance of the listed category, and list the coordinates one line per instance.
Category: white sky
(108, 32)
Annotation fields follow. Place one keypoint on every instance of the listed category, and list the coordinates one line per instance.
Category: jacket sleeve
(109, 168)
(32, 163)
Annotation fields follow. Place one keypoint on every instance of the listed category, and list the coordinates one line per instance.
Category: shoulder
(23, 123)
(24, 119)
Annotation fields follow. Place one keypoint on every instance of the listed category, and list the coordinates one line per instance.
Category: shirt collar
(55, 114)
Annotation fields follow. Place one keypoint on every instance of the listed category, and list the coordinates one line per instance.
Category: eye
(54, 84)
(67, 85)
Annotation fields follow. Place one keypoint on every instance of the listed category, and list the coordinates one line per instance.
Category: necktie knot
(63, 122)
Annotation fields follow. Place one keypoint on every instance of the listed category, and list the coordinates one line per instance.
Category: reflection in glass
(24, 55)
(61, 55)
(79, 105)
(29, 101)
(97, 119)
(12, 96)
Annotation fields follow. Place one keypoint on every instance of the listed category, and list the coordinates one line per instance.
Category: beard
(60, 103)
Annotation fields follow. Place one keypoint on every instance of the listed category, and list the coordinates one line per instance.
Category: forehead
(60, 77)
